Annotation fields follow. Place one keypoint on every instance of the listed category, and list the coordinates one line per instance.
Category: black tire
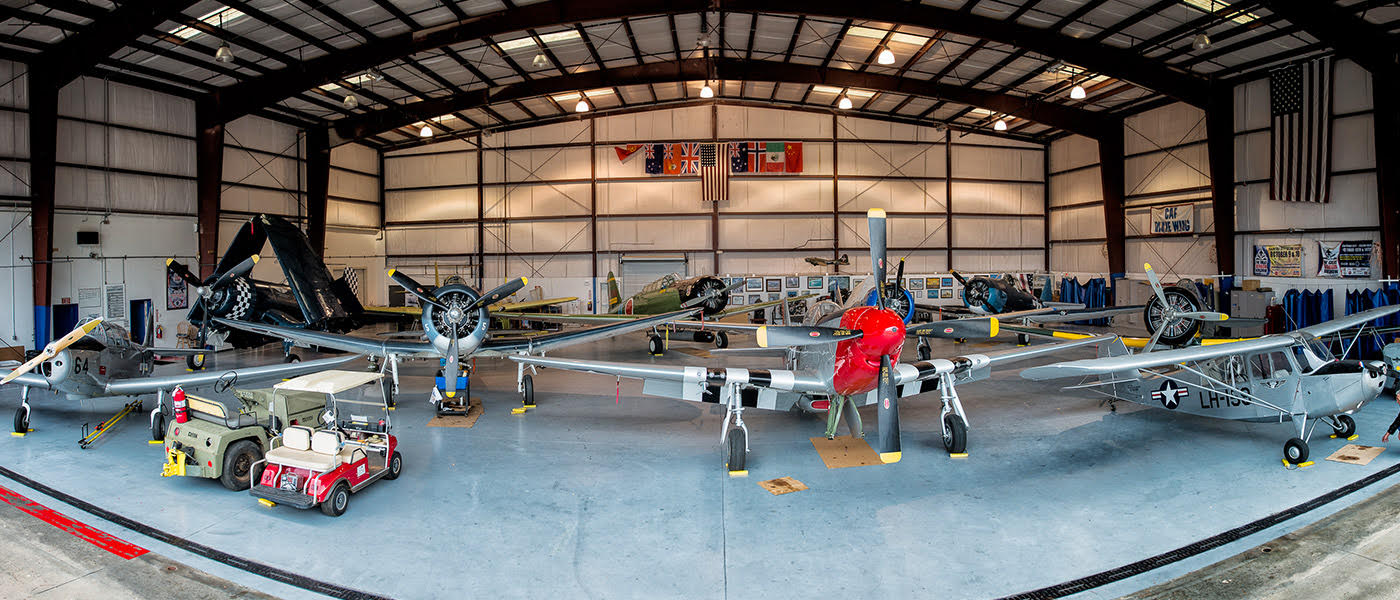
(395, 466)
(21, 420)
(158, 425)
(1347, 426)
(955, 439)
(338, 500)
(527, 387)
(195, 362)
(925, 352)
(1295, 451)
(738, 454)
(292, 358)
(1182, 332)
(238, 464)
(721, 339)
(654, 346)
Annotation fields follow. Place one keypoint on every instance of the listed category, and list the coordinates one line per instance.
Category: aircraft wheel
(721, 339)
(1346, 426)
(195, 362)
(738, 454)
(925, 352)
(1295, 451)
(338, 500)
(21, 420)
(955, 434)
(395, 466)
(654, 346)
(527, 385)
(158, 426)
(292, 358)
(238, 465)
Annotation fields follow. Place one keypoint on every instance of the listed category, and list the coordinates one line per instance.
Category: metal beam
(1350, 35)
(209, 176)
(1119, 63)
(1385, 94)
(1061, 117)
(43, 157)
(1220, 149)
(1112, 178)
(318, 180)
(73, 56)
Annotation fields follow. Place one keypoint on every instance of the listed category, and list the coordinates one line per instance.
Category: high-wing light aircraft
(845, 353)
(668, 294)
(456, 324)
(1275, 378)
(99, 360)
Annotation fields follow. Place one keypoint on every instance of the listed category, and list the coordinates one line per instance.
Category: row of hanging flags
(708, 161)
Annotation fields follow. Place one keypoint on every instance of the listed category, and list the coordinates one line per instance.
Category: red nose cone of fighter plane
(858, 360)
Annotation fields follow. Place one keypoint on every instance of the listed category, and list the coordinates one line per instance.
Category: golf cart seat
(319, 451)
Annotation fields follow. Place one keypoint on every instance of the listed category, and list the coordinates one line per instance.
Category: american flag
(714, 174)
(1300, 135)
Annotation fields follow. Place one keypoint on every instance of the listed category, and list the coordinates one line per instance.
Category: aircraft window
(1259, 366)
(1269, 366)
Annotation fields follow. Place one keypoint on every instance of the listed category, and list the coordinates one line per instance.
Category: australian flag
(738, 157)
(653, 159)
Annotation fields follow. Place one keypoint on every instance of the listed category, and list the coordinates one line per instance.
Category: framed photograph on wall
(736, 299)
(945, 293)
(755, 284)
(793, 283)
(792, 293)
(838, 281)
(774, 297)
(916, 284)
(814, 283)
(755, 299)
(947, 282)
(932, 294)
(932, 283)
(774, 284)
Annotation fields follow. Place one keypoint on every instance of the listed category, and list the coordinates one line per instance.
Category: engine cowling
(470, 325)
(705, 286)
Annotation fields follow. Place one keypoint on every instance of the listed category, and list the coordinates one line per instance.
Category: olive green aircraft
(668, 294)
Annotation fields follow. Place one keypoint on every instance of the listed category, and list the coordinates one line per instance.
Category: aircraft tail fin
(614, 295)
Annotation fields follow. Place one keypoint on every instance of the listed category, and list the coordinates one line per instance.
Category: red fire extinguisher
(181, 414)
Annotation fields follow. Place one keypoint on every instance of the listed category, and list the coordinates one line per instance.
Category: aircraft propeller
(1169, 310)
(802, 335)
(454, 316)
(52, 349)
(888, 413)
(205, 289)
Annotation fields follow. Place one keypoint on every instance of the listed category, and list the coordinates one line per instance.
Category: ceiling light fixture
(886, 57)
(582, 105)
(844, 103)
(707, 91)
(224, 54)
(1077, 92)
(373, 74)
(1201, 42)
(350, 101)
(540, 61)
(426, 131)
(1000, 125)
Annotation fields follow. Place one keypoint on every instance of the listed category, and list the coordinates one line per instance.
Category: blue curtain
(1092, 294)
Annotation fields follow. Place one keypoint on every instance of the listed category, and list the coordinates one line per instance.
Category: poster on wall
(1177, 218)
(177, 294)
(89, 303)
(115, 295)
(1345, 259)
(1278, 260)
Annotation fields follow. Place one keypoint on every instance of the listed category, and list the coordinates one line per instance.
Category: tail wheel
(292, 358)
(954, 434)
(1345, 427)
(527, 390)
(654, 346)
(21, 420)
(1175, 332)
(738, 452)
(721, 339)
(925, 352)
(1295, 451)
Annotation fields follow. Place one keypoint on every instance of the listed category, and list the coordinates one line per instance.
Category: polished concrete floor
(600, 496)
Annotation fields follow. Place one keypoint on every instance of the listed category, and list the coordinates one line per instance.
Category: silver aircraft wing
(144, 385)
(346, 343)
(1349, 321)
(697, 384)
(1132, 362)
(500, 346)
(1083, 314)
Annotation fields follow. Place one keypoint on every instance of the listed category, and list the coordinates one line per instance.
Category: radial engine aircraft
(99, 360)
(843, 354)
(456, 323)
(667, 294)
(1275, 378)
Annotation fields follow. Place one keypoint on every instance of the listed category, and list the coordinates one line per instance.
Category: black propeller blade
(175, 267)
(959, 277)
(875, 219)
(237, 270)
(417, 289)
(888, 412)
(955, 329)
(798, 335)
(498, 294)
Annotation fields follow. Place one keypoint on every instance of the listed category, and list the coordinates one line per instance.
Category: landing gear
(654, 345)
(721, 340)
(22, 413)
(954, 434)
(1295, 451)
(292, 358)
(158, 425)
(1343, 426)
(738, 451)
(527, 390)
(925, 352)
(195, 362)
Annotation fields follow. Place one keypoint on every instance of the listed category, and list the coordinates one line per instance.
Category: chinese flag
(793, 153)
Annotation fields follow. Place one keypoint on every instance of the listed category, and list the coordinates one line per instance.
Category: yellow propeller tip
(996, 326)
(1147, 266)
(762, 336)
(392, 271)
(877, 213)
(1224, 317)
(168, 261)
(524, 280)
(451, 394)
(255, 258)
(891, 457)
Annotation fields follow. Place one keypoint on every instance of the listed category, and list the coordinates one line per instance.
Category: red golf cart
(323, 467)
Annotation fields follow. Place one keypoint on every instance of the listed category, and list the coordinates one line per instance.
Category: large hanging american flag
(1300, 135)
(714, 173)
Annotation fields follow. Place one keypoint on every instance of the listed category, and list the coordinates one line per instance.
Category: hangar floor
(592, 495)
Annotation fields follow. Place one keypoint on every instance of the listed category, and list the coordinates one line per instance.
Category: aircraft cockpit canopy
(1312, 355)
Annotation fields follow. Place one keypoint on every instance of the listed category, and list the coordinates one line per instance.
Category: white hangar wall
(17, 278)
(535, 197)
(1166, 163)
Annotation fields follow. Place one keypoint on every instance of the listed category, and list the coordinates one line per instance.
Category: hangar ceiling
(462, 67)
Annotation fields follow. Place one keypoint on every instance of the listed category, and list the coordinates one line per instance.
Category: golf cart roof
(329, 382)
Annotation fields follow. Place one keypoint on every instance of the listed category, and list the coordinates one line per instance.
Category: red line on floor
(91, 534)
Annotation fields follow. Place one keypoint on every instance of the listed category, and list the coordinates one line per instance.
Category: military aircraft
(843, 353)
(456, 326)
(1279, 377)
(818, 261)
(667, 294)
(310, 298)
(98, 360)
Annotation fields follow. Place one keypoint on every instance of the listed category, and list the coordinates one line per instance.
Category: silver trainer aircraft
(1275, 378)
